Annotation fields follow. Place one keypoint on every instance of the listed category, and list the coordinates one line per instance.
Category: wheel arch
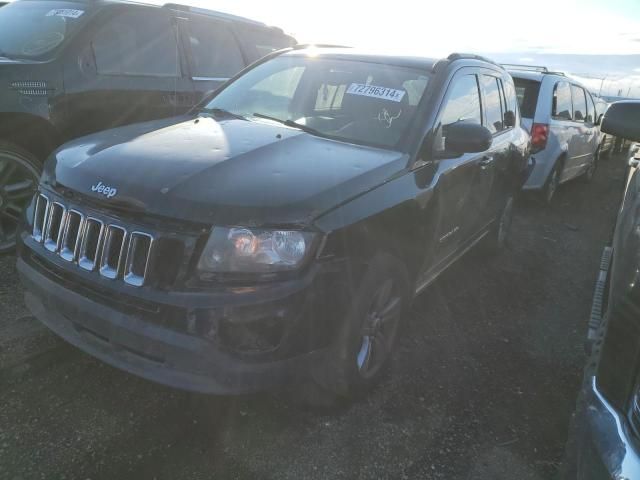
(29, 132)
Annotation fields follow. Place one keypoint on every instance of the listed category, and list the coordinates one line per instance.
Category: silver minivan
(560, 115)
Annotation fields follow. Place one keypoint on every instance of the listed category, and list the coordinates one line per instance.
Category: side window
(562, 106)
(492, 103)
(462, 105)
(214, 50)
(137, 43)
(258, 42)
(511, 100)
(579, 104)
(591, 110)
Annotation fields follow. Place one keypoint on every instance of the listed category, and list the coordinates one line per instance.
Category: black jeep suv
(68, 68)
(279, 233)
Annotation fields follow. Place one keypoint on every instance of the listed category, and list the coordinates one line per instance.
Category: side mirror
(467, 138)
(622, 119)
(509, 119)
(599, 119)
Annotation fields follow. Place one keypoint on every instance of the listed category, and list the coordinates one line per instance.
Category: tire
(19, 174)
(366, 342)
(551, 187)
(498, 237)
(589, 173)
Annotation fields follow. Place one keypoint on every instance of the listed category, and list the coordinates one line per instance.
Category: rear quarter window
(527, 94)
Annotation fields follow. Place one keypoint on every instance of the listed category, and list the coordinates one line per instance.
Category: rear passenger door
(563, 128)
(581, 155)
(127, 69)
(214, 53)
(493, 183)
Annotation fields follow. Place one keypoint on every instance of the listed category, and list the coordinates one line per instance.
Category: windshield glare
(355, 101)
(34, 29)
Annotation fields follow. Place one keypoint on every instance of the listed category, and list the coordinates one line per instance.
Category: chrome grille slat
(55, 224)
(113, 251)
(92, 238)
(40, 214)
(72, 235)
(139, 252)
(92, 244)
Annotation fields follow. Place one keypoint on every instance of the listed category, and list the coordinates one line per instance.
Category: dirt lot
(482, 388)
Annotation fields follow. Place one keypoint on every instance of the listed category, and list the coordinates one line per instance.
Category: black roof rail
(531, 68)
(470, 56)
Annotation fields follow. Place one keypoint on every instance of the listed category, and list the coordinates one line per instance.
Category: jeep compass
(278, 233)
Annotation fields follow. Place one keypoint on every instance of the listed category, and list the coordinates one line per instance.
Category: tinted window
(463, 104)
(562, 105)
(492, 103)
(579, 103)
(527, 94)
(214, 50)
(36, 29)
(260, 42)
(591, 110)
(510, 96)
(137, 43)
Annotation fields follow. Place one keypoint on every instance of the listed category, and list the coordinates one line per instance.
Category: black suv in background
(69, 68)
(605, 437)
(278, 234)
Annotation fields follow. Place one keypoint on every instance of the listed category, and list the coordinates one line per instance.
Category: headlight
(245, 250)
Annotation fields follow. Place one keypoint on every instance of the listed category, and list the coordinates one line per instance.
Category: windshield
(355, 101)
(35, 29)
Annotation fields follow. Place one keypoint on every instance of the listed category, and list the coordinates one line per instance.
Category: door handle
(486, 161)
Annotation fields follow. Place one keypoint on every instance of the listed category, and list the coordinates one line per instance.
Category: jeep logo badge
(104, 190)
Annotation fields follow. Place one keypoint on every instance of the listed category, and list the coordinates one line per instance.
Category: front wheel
(551, 187)
(368, 337)
(19, 173)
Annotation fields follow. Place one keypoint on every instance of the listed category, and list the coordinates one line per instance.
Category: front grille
(92, 244)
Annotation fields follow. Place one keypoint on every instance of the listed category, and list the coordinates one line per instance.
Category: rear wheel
(591, 171)
(367, 340)
(19, 172)
(551, 187)
(498, 236)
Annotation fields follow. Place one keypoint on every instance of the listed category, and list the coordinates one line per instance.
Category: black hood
(220, 172)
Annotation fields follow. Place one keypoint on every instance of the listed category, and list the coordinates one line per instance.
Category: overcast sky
(515, 28)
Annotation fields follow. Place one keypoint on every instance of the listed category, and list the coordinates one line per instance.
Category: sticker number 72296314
(384, 93)
(65, 12)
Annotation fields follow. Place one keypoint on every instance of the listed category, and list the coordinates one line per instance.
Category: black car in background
(606, 431)
(278, 234)
(69, 68)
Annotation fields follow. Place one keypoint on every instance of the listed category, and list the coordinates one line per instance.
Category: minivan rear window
(527, 92)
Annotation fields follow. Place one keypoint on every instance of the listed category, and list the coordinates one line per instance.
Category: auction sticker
(376, 92)
(65, 12)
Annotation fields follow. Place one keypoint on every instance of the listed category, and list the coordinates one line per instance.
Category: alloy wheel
(379, 329)
(18, 182)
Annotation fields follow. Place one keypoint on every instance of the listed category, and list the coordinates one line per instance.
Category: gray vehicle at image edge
(320, 191)
(561, 117)
(604, 442)
(69, 68)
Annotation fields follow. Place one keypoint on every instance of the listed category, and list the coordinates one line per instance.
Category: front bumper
(156, 352)
(607, 448)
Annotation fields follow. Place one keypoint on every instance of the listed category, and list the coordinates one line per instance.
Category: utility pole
(601, 85)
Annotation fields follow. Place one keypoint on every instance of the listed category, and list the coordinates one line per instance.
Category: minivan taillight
(539, 137)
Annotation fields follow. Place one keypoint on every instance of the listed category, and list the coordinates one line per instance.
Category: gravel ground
(483, 385)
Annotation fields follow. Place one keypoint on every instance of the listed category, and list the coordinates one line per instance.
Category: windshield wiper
(221, 112)
(292, 124)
